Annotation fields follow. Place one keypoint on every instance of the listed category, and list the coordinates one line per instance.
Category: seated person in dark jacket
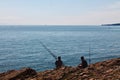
(59, 63)
(84, 63)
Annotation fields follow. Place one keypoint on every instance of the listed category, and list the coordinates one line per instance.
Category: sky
(59, 12)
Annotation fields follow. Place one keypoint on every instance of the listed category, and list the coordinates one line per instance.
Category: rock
(18, 74)
(91, 79)
(106, 70)
(114, 62)
(110, 70)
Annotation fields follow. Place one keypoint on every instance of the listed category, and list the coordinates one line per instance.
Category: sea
(20, 45)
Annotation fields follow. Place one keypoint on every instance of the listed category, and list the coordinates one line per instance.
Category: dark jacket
(84, 64)
(58, 63)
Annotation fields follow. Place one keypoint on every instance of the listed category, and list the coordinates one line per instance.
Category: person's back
(59, 62)
(84, 63)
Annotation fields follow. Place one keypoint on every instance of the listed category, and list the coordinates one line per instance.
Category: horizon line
(49, 25)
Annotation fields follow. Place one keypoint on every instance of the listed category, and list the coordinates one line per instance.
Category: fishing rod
(52, 54)
(89, 54)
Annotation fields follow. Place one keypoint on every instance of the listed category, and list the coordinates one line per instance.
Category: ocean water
(20, 45)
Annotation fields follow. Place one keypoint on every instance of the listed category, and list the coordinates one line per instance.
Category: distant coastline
(115, 24)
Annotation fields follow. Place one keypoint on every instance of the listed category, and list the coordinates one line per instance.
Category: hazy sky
(55, 12)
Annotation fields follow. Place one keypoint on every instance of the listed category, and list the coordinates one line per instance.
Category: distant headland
(115, 24)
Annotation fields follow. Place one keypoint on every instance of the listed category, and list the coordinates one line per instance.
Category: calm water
(20, 45)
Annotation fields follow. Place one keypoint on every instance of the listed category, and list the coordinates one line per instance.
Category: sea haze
(20, 45)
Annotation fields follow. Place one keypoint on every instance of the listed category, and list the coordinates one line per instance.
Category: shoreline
(105, 70)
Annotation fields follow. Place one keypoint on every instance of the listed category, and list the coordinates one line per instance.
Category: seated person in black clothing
(59, 63)
(84, 63)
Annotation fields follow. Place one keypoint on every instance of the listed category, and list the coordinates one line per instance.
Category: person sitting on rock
(84, 63)
(59, 63)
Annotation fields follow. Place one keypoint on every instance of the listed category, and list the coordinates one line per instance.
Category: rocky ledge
(106, 70)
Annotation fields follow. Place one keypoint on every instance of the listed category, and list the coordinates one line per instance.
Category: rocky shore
(105, 70)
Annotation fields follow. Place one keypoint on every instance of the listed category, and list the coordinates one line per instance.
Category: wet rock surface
(106, 70)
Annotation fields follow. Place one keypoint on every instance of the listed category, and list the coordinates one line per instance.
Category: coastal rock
(18, 74)
(106, 70)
